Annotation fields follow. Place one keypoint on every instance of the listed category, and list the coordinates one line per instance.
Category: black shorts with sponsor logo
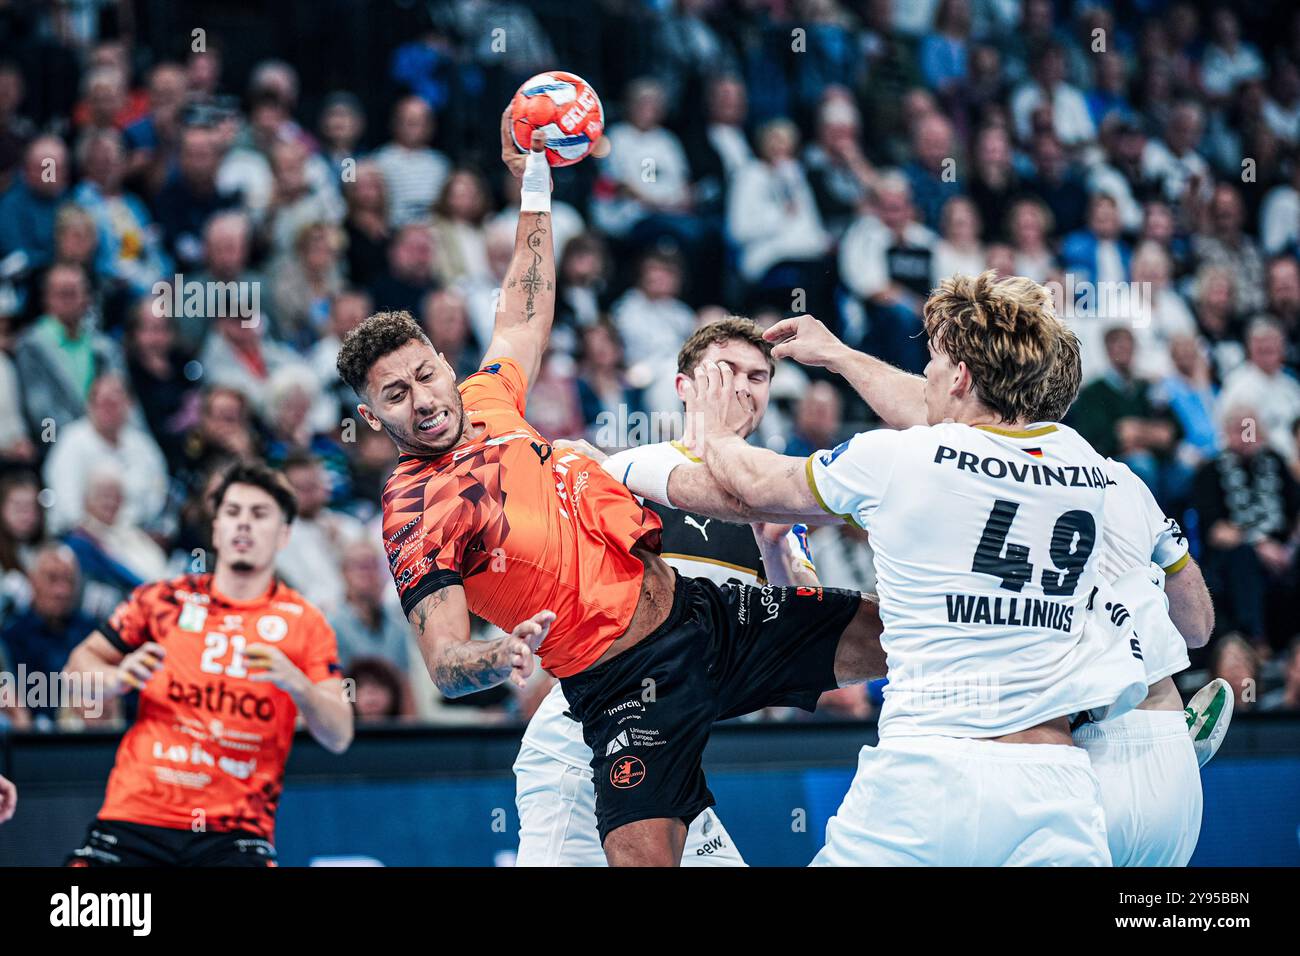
(724, 651)
(121, 843)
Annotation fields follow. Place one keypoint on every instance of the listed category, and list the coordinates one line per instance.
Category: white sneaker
(1208, 714)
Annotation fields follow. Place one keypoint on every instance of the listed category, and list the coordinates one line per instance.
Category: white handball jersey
(986, 545)
(1140, 545)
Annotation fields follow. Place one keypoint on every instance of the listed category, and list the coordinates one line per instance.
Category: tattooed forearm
(458, 664)
(530, 283)
(533, 281)
(465, 668)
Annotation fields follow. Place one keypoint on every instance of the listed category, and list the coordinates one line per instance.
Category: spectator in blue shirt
(933, 170)
(945, 48)
(41, 637)
(28, 208)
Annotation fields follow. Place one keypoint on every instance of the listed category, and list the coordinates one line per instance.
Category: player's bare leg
(656, 842)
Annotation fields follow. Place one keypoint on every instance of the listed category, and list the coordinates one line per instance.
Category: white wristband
(645, 470)
(535, 191)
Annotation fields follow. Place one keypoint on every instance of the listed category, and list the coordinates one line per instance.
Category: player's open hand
(269, 664)
(582, 447)
(717, 405)
(8, 799)
(523, 643)
(510, 155)
(806, 340)
(137, 667)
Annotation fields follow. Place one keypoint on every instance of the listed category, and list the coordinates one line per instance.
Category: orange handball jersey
(207, 738)
(523, 527)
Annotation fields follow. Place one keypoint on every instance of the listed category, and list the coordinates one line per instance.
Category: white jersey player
(1144, 759)
(1150, 790)
(554, 794)
(985, 529)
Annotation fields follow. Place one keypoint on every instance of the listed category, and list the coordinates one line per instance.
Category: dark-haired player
(224, 664)
(553, 777)
(482, 514)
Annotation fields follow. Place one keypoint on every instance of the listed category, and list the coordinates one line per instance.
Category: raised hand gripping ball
(565, 108)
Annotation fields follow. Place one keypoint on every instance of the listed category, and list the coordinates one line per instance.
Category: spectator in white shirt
(1158, 312)
(771, 213)
(1228, 60)
(312, 561)
(646, 166)
(653, 322)
(413, 171)
(1030, 225)
(959, 251)
(1282, 108)
(105, 436)
(1279, 216)
(886, 261)
(1174, 160)
(1069, 109)
(296, 201)
(1263, 384)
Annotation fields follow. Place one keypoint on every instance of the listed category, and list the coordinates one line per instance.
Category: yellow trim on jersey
(1179, 564)
(1021, 433)
(684, 450)
(812, 486)
(668, 555)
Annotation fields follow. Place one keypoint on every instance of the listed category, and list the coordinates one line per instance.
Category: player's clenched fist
(271, 665)
(523, 642)
(805, 340)
(134, 670)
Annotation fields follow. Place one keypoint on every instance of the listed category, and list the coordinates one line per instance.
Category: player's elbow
(339, 742)
(1200, 633)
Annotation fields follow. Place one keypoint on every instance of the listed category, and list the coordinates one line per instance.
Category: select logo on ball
(565, 108)
(627, 772)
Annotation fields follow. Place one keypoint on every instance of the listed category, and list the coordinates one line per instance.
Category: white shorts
(1150, 786)
(947, 801)
(556, 800)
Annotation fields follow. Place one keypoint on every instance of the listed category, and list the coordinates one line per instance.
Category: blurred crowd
(182, 250)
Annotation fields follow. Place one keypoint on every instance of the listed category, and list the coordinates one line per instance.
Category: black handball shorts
(724, 651)
(121, 843)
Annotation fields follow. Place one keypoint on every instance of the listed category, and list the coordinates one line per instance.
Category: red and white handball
(565, 108)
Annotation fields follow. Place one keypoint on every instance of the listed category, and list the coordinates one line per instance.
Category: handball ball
(565, 108)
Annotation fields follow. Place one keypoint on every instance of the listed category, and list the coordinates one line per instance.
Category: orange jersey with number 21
(209, 745)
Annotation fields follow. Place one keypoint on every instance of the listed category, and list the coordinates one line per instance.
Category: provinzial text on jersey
(1069, 476)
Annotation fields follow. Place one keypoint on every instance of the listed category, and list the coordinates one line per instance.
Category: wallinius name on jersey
(1068, 476)
(1012, 611)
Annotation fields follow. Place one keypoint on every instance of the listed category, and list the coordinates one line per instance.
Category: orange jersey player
(224, 664)
(482, 514)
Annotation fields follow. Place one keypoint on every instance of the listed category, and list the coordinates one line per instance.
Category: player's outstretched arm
(527, 304)
(774, 487)
(460, 665)
(896, 396)
(1190, 606)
